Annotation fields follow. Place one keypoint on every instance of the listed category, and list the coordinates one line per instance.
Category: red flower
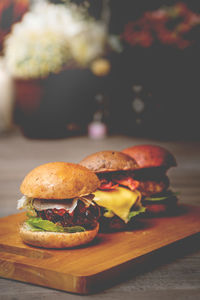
(159, 15)
(141, 31)
(138, 33)
(181, 9)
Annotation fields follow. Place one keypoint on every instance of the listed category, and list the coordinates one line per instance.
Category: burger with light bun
(153, 183)
(58, 197)
(117, 196)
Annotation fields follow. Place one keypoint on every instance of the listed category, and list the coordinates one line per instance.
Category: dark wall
(168, 77)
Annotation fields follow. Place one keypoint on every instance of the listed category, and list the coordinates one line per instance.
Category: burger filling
(150, 187)
(153, 185)
(118, 196)
(115, 179)
(69, 215)
(121, 202)
(165, 198)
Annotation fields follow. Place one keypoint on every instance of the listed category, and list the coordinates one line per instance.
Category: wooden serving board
(107, 260)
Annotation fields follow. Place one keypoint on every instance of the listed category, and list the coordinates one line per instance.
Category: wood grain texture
(85, 270)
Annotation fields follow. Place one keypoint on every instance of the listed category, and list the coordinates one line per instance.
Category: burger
(118, 197)
(153, 183)
(58, 197)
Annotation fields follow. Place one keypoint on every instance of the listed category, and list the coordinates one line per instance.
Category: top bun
(109, 161)
(148, 156)
(59, 180)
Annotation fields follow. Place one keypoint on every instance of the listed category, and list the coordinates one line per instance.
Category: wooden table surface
(175, 278)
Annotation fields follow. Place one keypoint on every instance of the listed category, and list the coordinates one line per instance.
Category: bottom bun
(156, 208)
(57, 239)
(115, 224)
(111, 224)
(161, 208)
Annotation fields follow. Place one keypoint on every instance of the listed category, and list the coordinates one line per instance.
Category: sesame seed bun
(148, 156)
(109, 161)
(59, 180)
(57, 240)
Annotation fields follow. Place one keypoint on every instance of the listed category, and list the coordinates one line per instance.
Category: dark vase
(57, 106)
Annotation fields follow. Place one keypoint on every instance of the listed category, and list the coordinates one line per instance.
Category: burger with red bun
(153, 183)
(58, 197)
(117, 196)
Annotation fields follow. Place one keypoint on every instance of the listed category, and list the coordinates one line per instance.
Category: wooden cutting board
(107, 260)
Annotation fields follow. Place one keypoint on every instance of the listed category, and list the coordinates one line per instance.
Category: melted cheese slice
(119, 201)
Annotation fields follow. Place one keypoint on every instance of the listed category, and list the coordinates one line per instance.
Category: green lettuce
(134, 213)
(31, 227)
(38, 224)
(73, 229)
(26, 202)
(168, 194)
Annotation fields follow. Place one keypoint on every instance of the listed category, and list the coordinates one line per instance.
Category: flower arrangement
(168, 25)
(11, 11)
(51, 37)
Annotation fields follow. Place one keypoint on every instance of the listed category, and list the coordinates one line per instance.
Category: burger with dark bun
(153, 183)
(58, 197)
(117, 196)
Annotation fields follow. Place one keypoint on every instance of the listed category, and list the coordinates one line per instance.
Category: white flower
(36, 54)
(49, 36)
(88, 44)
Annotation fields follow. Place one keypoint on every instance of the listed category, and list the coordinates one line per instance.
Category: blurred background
(97, 68)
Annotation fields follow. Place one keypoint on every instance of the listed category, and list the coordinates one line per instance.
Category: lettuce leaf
(31, 227)
(38, 224)
(168, 194)
(73, 229)
(134, 213)
(44, 225)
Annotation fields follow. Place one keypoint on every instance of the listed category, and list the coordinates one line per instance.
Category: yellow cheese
(119, 201)
(108, 214)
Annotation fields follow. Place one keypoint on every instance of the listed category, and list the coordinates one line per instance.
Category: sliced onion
(67, 204)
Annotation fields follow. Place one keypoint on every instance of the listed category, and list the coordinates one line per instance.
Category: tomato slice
(59, 212)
